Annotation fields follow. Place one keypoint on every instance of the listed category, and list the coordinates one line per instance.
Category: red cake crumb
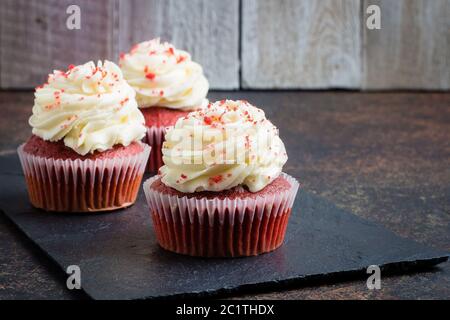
(57, 150)
(161, 117)
(277, 186)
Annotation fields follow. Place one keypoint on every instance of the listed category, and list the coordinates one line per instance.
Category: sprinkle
(124, 101)
(150, 76)
(71, 66)
(181, 59)
(216, 179)
(183, 176)
(161, 93)
(170, 51)
(207, 120)
(122, 55)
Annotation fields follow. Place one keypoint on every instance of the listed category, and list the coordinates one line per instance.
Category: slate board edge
(333, 277)
(38, 247)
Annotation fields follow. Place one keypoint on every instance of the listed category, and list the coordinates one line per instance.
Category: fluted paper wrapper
(155, 138)
(83, 185)
(220, 227)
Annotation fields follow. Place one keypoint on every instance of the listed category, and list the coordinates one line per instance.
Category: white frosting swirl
(164, 76)
(90, 106)
(229, 143)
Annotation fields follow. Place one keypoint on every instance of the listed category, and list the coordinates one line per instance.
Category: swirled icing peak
(164, 76)
(91, 107)
(227, 144)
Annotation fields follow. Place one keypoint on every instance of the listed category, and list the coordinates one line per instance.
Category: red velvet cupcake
(157, 119)
(226, 197)
(168, 85)
(85, 153)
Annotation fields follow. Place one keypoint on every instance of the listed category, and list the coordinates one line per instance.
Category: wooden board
(301, 44)
(35, 40)
(412, 48)
(209, 30)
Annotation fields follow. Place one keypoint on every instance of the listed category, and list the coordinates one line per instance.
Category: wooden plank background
(34, 39)
(412, 49)
(254, 44)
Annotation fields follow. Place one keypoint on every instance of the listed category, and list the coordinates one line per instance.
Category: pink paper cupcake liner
(155, 139)
(83, 185)
(220, 227)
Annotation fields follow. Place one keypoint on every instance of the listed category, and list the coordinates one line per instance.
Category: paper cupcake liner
(83, 185)
(220, 227)
(155, 139)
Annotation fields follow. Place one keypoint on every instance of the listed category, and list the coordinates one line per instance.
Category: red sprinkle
(181, 59)
(150, 76)
(216, 179)
(170, 51)
(71, 66)
(183, 176)
(207, 120)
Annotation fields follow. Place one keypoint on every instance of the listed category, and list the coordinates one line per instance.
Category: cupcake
(85, 153)
(168, 85)
(221, 191)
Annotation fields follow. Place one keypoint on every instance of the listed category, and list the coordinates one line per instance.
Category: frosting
(90, 107)
(164, 76)
(226, 144)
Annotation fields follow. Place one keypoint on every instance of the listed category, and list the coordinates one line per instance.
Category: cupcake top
(90, 107)
(227, 144)
(164, 76)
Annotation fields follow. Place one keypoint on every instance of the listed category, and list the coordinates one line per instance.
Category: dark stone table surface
(383, 156)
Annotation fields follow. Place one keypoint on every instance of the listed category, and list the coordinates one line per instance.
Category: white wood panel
(34, 39)
(301, 44)
(209, 30)
(412, 48)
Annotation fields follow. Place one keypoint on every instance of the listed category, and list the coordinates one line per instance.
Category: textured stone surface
(119, 257)
(382, 156)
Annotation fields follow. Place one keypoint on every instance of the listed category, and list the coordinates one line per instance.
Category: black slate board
(120, 259)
